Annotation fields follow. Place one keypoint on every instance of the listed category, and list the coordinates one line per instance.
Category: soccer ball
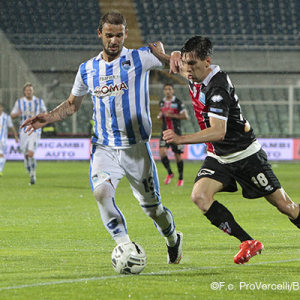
(128, 258)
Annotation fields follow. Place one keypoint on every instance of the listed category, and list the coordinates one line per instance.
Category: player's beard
(113, 54)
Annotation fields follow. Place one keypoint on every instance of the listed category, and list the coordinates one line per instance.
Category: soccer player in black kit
(172, 111)
(234, 155)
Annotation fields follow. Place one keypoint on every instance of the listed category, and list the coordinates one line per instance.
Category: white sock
(172, 239)
(27, 165)
(32, 164)
(2, 163)
(111, 216)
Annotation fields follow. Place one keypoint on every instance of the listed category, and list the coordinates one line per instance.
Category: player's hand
(175, 62)
(36, 122)
(157, 47)
(17, 139)
(171, 137)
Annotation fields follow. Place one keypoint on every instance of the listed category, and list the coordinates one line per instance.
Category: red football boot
(180, 182)
(168, 178)
(248, 249)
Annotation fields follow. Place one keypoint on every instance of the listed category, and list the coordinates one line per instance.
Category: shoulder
(220, 81)
(87, 64)
(177, 100)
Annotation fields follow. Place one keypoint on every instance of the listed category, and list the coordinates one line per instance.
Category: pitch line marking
(143, 274)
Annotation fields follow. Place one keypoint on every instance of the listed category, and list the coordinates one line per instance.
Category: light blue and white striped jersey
(120, 94)
(29, 108)
(5, 123)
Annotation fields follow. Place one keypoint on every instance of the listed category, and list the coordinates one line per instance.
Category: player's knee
(103, 191)
(154, 212)
(202, 199)
(30, 154)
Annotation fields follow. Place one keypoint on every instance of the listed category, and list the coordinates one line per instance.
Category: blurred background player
(5, 123)
(117, 79)
(25, 108)
(172, 111)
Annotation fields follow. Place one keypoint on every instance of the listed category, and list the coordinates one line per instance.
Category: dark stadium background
(256, 42)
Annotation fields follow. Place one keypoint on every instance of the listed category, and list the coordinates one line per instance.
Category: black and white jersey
(175, 106)
(215, 97)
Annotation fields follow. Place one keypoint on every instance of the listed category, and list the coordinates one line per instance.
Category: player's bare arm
(16, 115)
(173, 60)
(214, 133)
(61, 112)
(157, 48)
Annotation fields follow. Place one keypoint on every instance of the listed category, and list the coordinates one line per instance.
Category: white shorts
(2, 148)
(29, 142)
(136, 163)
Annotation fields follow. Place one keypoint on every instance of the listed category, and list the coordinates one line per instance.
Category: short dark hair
(112, 17)
(169, 84)
(201, 46)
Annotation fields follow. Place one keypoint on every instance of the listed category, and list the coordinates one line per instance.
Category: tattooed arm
(62, 111)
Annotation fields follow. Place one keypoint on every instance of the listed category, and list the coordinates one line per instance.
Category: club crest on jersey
(110, 90)
(126, 65)
(216, 98)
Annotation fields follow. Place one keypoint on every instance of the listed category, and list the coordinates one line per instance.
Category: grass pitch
(53, 244)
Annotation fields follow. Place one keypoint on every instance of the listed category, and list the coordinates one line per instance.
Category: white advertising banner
(53, 149)
(278, 149)
(79, 149)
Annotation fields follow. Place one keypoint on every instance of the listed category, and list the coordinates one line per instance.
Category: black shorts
(178, 149)
(253, 173)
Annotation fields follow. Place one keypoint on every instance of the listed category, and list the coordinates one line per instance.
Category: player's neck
(29, 98)
(109, 58)
(169, 98)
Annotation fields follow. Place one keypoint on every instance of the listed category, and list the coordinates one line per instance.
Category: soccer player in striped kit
(5, 124)
(25, 108)
(234, 154)
(118, 81)
(172, 111)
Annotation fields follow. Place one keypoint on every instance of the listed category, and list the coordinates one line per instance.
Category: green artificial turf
(53, 244)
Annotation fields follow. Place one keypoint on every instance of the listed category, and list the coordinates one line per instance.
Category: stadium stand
(238, 24)
(34, 23)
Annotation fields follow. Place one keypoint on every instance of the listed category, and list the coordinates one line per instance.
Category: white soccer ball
(128, 258)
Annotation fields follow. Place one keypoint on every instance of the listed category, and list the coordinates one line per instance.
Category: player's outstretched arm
(214, 133)
(62, 111)
(173, 60)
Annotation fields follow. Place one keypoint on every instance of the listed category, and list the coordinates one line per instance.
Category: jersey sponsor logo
(109, 77)
(202, 98)
(205, 172)
(216, 98)
(126, 65)
(110, 90)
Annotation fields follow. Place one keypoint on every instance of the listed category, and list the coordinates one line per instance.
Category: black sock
(222, 218)
(166, 163)
(296, 221)
(180, 169)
